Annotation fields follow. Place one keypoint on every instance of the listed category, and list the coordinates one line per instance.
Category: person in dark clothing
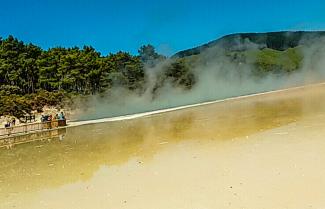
(42, 118)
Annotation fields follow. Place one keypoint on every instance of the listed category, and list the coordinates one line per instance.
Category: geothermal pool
(262, 152)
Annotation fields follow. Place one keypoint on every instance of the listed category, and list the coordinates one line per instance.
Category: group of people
(46, 118)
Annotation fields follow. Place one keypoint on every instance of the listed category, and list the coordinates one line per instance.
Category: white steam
(217, 78)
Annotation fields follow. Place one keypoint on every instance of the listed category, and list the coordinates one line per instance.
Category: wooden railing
(31, 127)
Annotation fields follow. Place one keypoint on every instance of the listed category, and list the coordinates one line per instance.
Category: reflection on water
(48, 164)
(13, 140)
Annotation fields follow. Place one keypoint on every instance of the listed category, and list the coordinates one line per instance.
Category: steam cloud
(217, 78)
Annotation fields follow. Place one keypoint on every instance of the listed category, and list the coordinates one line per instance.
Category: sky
(169, 25)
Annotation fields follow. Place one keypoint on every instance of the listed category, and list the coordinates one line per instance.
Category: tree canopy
(31, 77)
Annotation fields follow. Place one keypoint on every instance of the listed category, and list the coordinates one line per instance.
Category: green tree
(149, 56)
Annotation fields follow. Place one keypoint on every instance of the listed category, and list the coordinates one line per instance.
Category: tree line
(31, 77)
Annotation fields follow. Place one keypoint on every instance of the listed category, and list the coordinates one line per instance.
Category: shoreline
(237, 147)
(155, 112)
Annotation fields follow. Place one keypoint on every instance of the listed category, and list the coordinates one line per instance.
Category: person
(7, 125)
(49, 118)
(57, 117)
(61, 116)
(13, 122)
(42, 118)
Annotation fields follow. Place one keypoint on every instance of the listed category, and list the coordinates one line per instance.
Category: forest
(31, 77)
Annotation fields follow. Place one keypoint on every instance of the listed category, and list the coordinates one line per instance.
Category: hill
(273, 40)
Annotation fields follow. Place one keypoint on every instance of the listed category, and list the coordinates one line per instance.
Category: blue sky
(170, 25)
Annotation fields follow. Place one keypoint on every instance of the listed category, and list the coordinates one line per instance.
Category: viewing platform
(31, 132)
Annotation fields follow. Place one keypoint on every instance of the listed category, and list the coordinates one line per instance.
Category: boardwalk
(31, 132)
(29, 128)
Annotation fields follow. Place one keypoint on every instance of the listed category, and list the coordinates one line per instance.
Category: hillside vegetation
(31, 78)
(279, 41)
